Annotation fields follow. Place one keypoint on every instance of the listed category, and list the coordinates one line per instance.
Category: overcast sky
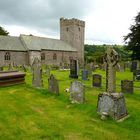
(107, 21)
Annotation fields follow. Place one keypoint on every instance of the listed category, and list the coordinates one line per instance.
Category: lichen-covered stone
(77, 94)
(112, 104)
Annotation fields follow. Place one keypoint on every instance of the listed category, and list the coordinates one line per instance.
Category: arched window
(7, 56)
(54, 56)
(42, 56)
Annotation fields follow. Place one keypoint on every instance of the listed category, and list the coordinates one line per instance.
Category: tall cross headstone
(111, 59)
(111, 103)
(37, 73)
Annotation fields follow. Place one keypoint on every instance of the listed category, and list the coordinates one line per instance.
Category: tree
(132, 40)
(3, 31)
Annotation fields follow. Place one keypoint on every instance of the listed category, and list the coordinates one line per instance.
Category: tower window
(79, 29)
(54, 56)
(7, 56)
(67, 29)
(42, 56)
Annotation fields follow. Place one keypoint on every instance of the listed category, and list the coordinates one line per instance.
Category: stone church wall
(16, 57)
(57, 57)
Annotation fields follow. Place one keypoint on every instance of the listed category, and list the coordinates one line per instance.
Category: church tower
(72, 31)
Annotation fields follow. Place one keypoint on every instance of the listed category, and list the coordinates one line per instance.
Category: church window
(67, 29)
(54, 56)
(79, 28)
(42, 56)
(7, 56)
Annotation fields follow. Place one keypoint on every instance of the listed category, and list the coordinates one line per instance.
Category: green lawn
(27, 113)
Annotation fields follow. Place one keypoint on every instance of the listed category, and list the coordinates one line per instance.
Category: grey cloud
(40, 14)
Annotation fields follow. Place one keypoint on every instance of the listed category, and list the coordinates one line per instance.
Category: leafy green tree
(3, 31)
(132, 40)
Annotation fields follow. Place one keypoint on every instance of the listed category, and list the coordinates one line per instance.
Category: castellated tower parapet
(67, 22)
(72, 31)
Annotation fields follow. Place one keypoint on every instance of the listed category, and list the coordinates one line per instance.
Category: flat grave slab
(8, 78)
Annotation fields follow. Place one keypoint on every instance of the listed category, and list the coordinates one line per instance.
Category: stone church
(22, 50)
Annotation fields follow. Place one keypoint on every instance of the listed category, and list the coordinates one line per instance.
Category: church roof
(11, 43)
(41, 43)
(34, 43)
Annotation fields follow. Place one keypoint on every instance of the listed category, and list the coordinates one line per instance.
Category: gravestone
(126, 86)
(111, 103)
(53, 85)
(73, 68)
(77, 93)
(24, 68)
(37, 73)
(47, 70)
(136, 75)
(8, 78)
(85, 75)
(97, 80)
(1, 68)
(89, 68)
(11, 68)
(133, 66)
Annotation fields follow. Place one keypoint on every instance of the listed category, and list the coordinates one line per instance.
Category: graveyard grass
(27, 113)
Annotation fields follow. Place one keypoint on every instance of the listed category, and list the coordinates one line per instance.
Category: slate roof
(11, 43)
(41, 43)
(34, 43)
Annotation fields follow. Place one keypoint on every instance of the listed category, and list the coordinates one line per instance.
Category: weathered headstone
(1, 68)
(97, 80)
(133, 66)
(127, 86)
(53, 85)
(77, 93)
(111, 103)
(89, 68)
(37, 73)
(11, 68)
(73, 69)
(111, 60)
(24, 68)
(47, 70)
(85, 75)
(136, 75)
